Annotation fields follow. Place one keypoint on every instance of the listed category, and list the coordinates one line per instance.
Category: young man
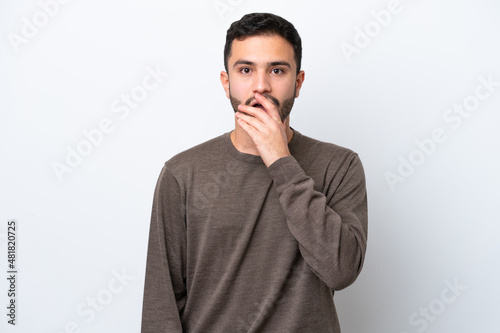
(254, 230)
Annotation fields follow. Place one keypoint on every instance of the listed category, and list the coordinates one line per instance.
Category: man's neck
(244, 143)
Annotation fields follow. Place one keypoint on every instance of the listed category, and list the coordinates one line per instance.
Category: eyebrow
(272, 63)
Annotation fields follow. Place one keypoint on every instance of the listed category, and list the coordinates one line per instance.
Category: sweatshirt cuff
(285, 172)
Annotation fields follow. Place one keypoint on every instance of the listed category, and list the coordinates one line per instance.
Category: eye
(278, 71)
(245, 70)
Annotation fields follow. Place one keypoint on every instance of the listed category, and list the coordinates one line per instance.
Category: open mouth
(257, 105)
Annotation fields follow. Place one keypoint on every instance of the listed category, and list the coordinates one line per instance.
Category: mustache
(272, 98)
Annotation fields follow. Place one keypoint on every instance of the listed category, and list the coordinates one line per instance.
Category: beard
(284, 108)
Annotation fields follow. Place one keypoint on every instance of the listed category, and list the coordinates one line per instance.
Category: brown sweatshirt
(236, 246)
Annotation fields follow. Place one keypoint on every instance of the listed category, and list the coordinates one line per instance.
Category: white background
(75, 234)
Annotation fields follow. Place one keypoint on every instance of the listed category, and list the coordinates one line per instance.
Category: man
(254, 230)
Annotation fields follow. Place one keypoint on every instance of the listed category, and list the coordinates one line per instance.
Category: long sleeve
(330, 226)
(164, 289)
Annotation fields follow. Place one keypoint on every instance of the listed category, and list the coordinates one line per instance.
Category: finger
(251, 131)
(253, 111)
(271, 108)
(251, 121)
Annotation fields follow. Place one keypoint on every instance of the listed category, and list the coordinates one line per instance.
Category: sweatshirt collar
(255, 159)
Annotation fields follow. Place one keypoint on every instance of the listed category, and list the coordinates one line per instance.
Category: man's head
(263, 24)
(262, 54)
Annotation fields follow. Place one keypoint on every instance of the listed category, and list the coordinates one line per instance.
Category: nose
(261, 83)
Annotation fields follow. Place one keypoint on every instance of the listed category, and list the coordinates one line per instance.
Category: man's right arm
(164, 288)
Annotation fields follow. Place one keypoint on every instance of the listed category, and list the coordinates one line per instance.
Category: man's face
(263, 64)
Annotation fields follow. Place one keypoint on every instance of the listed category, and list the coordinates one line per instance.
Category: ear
(224, 79)
(298, 82)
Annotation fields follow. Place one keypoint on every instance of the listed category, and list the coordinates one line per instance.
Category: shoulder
(317, 151)
(330, 165)
(197, 154)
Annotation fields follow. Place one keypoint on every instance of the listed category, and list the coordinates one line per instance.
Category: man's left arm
(331, 232)
(331, 229)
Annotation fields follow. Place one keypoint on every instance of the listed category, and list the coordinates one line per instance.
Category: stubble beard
(284, 108)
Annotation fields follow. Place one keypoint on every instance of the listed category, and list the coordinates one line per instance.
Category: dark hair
(261, 24)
